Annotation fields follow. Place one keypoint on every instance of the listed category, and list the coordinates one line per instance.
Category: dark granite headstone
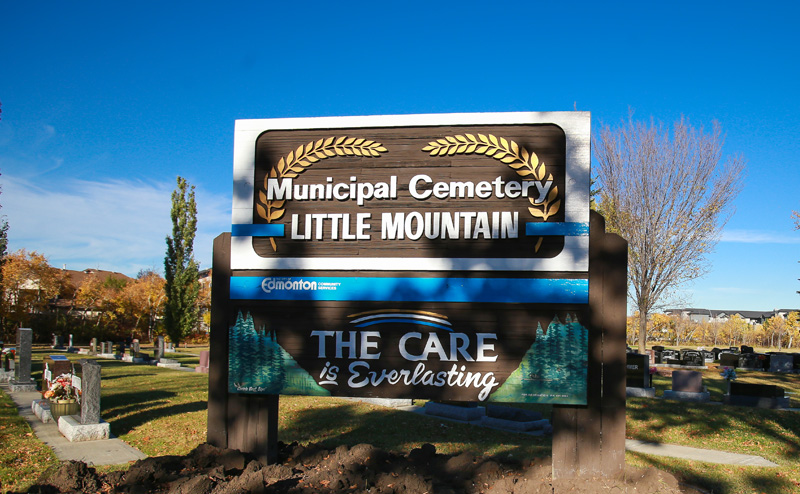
(728, 359)
(762, 390)
(749, 361)
(669, 355)
(638, 371)
(781, 362)
(693, 357)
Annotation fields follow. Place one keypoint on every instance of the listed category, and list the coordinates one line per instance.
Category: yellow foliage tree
(29, 284)
(735, 329)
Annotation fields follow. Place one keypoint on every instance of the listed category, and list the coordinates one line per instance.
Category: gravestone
(58, 342)
(135, 349)
(22, 365)
(55, 365)
(637, 373)
(90, 387)
(94, 346)
(637, 376)
(109, 347)
(71, 345)
(170, 347)
(756, 395)
(781, 362)
(749, 361)
(160, 348)
(687, 386)
(89, 426)
(670, 354)
(657, 352)
(203, 366)
(747, 349)
(692, 357)
(687, 381)
(727, 359)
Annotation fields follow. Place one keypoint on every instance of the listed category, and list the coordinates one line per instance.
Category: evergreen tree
(180, 269)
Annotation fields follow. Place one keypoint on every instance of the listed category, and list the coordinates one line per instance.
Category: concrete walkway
(659, 449)
(696, 454)
(112, 451)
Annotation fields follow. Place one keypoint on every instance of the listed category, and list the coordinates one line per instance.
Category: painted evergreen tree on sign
(554, 369)
(258, 364)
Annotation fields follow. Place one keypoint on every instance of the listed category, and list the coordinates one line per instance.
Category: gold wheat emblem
(525, 163)
(304, 156)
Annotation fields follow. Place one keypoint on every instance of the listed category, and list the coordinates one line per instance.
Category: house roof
(747, 314)
(76, 278)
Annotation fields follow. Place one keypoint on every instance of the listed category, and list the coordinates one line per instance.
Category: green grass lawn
(162, 411)
(22, 456)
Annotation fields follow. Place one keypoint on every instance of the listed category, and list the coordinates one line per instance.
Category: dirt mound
(358, 469)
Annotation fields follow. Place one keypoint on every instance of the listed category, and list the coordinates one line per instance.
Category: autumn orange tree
(29, 284)
(139, 305)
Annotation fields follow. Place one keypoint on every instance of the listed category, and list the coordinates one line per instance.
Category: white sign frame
(573, 258)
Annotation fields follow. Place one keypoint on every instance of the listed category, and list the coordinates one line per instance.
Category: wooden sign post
(444, 257)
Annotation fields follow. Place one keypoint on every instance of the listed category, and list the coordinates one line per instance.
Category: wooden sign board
(419, 256)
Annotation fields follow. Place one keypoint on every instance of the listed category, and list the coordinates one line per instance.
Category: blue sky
(105, 103)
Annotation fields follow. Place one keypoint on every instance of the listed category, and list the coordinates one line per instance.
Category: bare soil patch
(358, 469)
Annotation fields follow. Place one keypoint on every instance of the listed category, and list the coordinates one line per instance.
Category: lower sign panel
(455, 351)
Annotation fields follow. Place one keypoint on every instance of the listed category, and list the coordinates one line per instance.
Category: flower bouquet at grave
(729, 374)
(61, 389)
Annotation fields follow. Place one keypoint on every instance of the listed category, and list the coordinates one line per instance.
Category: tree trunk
(642, 331)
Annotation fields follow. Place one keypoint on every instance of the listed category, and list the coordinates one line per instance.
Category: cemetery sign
(417, 256)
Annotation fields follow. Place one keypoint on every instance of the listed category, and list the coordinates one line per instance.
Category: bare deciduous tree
(669, 194)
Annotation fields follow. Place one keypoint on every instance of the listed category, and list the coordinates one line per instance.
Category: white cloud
(119, 225)
(759, 237)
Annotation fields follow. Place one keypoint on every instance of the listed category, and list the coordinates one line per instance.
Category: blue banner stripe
(261, 230)
(566, 229)
(498, 290)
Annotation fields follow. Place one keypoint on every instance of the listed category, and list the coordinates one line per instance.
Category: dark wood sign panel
(444, 221)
